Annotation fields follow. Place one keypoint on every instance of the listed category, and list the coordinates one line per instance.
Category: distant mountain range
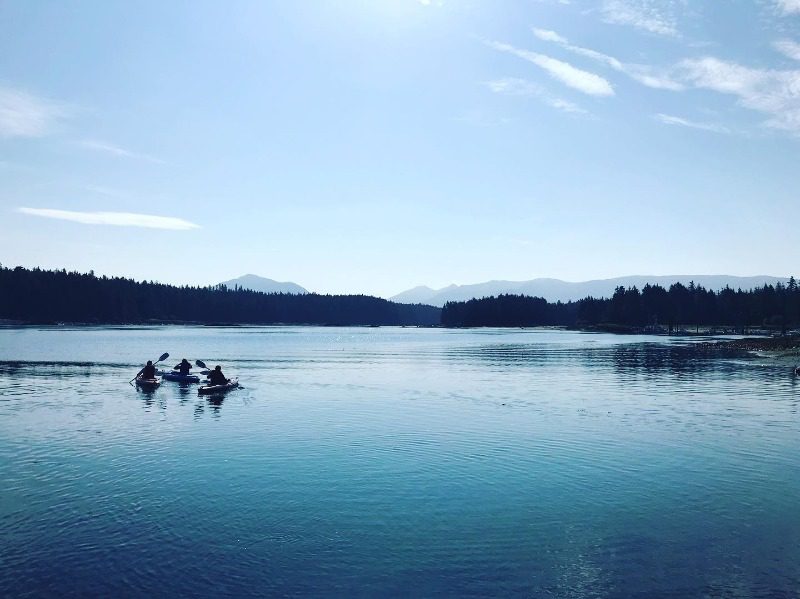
(557, 290)
(256, 283)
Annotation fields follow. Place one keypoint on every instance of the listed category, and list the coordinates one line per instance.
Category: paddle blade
(200, 363)
(163, 357)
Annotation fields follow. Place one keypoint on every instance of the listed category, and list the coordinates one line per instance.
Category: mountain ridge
(263, 284)
(558, 290)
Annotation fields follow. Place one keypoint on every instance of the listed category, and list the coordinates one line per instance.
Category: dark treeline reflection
(45, 296)
(680, 306)
(652, 358)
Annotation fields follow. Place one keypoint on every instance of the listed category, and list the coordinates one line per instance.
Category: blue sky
(371, 146)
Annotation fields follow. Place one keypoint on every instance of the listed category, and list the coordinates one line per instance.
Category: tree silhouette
(42, 296)
(679, 308)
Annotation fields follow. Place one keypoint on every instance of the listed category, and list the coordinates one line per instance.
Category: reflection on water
(377, 462)
(215, 402)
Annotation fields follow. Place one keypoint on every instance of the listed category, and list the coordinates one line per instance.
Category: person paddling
(184, 367)
(149, 371)
(215, 377)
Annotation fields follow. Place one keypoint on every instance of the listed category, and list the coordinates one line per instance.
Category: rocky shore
(783, 344)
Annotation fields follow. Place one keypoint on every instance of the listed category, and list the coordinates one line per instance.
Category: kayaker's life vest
(215, 377)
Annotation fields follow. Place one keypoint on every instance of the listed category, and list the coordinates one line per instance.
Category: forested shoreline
(56, 296)
(654, 309)
(40, 296)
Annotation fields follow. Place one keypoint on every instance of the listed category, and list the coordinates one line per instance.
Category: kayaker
(149, 371)
(184, 367)
(215, 377)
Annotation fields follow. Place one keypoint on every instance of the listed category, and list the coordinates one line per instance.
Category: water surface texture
(385, 462)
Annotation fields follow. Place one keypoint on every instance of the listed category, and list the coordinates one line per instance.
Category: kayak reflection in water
(149, 371)
(215, 377)
(184, 367)
(215, 402)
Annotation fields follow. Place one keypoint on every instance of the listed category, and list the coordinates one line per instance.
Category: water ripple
(381, 462)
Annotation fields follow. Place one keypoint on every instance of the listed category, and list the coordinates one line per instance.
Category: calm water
(385, 462)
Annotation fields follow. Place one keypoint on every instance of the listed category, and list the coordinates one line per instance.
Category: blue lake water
(396, 462)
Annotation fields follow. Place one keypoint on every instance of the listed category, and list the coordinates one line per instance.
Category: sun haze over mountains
(256, 283)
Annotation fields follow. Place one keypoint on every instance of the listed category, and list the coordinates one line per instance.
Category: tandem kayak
(216, 389)
(147, 384)
(178, 377)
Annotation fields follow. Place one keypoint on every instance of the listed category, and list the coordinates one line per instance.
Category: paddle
(200, 364)
(161, 359)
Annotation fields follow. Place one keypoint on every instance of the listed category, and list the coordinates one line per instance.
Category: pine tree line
(679, 307)
(51, 296)
(508, 311)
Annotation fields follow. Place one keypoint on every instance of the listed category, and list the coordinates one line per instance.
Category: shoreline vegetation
(36, 296)
(57, 297)
(678, 310)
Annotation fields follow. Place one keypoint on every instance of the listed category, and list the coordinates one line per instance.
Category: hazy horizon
(397, 296)
(368, 147)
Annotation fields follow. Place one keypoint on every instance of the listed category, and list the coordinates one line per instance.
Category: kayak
(178, 377)
(215, 389)
(147, 384)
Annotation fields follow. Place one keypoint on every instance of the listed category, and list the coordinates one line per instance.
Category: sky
(370, 146)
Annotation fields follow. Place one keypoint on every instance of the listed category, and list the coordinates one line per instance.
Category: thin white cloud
(513, 87)
(653, 16)
(107, 148)
(118, 219)
(520, 87)
(25, 115)
(643, 74)
(583, 81)
(789, 7)
(564, 105)
(548, 36)
(649, 77)
(787, 48)
(669, 119)
(775, 93)
(551, 36)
